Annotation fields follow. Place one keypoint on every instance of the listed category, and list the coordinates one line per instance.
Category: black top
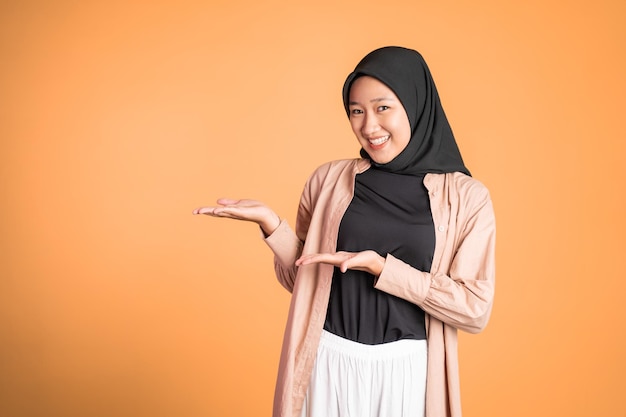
(389, 213)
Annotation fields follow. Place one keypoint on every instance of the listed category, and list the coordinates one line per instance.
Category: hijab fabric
(432, 147)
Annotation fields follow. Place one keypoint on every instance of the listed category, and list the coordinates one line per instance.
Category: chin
(381, 161)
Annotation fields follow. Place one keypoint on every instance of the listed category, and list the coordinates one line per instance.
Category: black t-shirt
(389, 213)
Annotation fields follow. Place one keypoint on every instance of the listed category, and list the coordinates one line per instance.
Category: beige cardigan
(456, 294)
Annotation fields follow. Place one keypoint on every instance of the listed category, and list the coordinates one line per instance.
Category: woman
(391, 254)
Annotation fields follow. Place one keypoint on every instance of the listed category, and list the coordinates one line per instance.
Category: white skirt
(352, 379)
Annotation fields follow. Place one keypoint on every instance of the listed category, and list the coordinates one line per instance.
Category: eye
(356, 111)
(383, 108)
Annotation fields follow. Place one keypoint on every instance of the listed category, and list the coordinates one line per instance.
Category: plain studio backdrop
(119, 118)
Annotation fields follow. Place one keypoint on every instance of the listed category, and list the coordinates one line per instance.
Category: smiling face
(378, 119)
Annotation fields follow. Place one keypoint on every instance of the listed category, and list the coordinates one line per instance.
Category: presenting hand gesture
(247, 210)
(368, 261)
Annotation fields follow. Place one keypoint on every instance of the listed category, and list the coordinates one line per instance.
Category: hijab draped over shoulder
(432, 147)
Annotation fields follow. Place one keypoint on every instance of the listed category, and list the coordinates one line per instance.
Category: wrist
(379, 265)
(269, 226)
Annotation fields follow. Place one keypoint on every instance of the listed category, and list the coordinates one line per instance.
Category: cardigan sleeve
(286, 244)
(462, 297)
(287, 248)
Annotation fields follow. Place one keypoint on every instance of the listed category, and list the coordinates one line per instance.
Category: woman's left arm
(463, 297)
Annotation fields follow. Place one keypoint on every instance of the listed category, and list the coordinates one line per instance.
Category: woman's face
(378, 119)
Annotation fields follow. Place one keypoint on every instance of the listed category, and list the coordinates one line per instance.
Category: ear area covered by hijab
(432, 147)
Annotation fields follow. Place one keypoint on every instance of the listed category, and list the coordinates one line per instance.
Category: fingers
(203, 210)
(210, 210)
(308, 259)
(217, 210)
(328, 258)
(337, 259)
(247, 210)
(368, 261)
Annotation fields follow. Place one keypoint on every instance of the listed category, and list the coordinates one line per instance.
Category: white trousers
(352, 379)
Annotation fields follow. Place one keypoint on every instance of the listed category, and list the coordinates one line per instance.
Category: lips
(378, 142)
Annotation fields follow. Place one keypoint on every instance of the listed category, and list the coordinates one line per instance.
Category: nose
(370, 125)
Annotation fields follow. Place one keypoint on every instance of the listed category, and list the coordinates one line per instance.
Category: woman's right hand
(247, 210)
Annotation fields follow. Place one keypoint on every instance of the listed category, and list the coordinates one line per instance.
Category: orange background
(118, 118)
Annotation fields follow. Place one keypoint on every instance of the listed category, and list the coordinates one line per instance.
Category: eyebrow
(373, 100)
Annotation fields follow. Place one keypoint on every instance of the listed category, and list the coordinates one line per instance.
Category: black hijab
(432, 147)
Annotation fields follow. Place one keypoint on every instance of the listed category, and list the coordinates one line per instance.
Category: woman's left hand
(368, 261)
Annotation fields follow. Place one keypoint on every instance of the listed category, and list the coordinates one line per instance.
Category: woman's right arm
(286, 244)
(277, 233)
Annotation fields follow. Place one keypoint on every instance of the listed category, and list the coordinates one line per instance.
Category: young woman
(391, 254)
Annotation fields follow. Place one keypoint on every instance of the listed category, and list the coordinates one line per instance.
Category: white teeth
(379, 141)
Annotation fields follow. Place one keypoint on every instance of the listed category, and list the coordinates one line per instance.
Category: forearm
(465, 304)
(287, 248)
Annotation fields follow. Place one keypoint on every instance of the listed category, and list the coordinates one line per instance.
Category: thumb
(227, 201)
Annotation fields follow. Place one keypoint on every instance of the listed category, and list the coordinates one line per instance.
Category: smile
(379, 141)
